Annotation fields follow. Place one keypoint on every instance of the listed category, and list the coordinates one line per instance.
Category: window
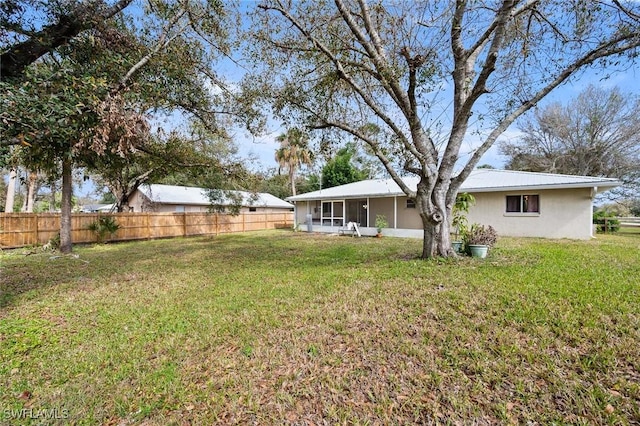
(411, 203)
(523, 204)
(252, 209)
(179, 209)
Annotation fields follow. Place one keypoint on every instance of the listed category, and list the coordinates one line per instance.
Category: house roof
(480, 180)
(187, 195)
(90, 208)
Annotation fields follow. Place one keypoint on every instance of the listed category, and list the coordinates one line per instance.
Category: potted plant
(479, 239)
(459, 219)
(381, 222)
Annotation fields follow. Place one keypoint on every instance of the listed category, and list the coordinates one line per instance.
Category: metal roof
(480, 180)
(187, 195)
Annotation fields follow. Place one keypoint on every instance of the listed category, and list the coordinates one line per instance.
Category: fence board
(619, 223)
(25, 229)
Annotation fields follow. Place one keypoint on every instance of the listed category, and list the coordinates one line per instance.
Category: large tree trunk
(31, 192)
(65, 218)
(435, 211)
(11, 191)
(437, 240)
(292, 178)
(123, 203)
(52, 205)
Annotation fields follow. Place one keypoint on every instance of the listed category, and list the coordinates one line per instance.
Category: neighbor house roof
(91, 208)
(187, 195)
(480, 180)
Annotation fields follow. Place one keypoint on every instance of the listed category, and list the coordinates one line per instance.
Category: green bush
(104, 226)
(612, 224)
(381, 222)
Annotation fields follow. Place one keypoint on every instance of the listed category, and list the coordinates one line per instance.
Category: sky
(263, 147)
(628, 81)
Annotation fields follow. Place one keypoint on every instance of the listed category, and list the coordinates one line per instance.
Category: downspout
(594, 191)
(395, 212)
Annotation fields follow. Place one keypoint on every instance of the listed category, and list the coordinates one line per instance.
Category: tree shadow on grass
(41, 274)
(45, 275)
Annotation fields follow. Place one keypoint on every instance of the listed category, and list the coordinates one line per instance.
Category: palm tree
(293, 153)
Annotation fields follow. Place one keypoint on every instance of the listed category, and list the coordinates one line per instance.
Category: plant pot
(379, 235)
(456, 246)
(478, 250)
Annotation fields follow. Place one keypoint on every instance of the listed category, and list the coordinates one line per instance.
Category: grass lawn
(279, 327)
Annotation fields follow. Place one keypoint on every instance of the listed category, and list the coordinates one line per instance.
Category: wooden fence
(27, 229)
(621, 222)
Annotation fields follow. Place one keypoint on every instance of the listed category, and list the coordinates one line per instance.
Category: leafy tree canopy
(341, 170)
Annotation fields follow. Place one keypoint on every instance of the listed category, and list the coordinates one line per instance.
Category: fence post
(36, 228)
(184, 224)
(243, 219)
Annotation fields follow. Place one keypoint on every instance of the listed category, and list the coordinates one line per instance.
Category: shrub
(464, 201)
(602, 218)
(104, 226)
(480, 234)
(381, 222)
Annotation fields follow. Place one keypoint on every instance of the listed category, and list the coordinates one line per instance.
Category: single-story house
(517, 204)
(171, 198)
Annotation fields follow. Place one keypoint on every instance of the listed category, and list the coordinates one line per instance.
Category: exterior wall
(173, 208)
(136, 201)
(564, 213)
(141, 204)
(408, 218)
(177, 208)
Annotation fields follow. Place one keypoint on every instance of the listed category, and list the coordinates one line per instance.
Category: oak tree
(95, 91)
(429, 74)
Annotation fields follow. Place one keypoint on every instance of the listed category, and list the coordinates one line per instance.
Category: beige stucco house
(173, 199)
(517, 204)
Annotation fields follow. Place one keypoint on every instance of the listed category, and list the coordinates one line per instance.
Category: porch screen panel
(326, 213)
(338, 209)
(333, 213)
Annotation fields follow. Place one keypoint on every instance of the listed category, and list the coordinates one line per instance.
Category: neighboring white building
(97, 208)
(517, 204)
(171, 198)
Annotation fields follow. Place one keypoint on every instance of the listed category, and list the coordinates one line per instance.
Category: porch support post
(594, 192)
(368, 213)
